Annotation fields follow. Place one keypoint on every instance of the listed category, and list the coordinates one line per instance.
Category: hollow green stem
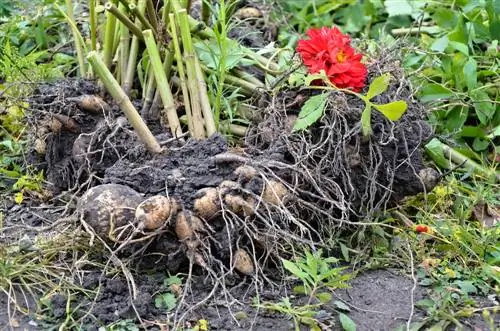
(162, 84)
(196, 128)
(110, 7)
(123, 102)
(134, 51)
(109, 34)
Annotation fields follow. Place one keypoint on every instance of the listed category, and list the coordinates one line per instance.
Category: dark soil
(331, 174)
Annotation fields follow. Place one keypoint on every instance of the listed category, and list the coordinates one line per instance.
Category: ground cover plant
(235, 165)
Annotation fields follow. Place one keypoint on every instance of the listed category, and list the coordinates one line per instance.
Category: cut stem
(134, 51)
(196, 129)
(123, 102)
(110, 7)
(109, 35)
(151, 12)
(162, 84)
(189, 57)
(93, 25)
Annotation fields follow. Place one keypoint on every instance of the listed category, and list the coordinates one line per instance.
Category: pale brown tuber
(238, 205)
(155, 211)
(207, 205)
(186, 224)
(274, 192)
(245, 172)
(91, 103)
(243, 263)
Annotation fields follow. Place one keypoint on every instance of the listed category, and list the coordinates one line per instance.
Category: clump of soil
(339, 174)
(242, 209)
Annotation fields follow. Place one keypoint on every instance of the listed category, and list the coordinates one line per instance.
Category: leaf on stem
(392, 110)
(378, 85)
(311, 111)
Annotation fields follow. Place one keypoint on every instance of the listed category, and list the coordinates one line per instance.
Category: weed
(318, 276)
(168, 300)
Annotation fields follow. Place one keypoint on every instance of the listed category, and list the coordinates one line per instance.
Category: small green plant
(315, 106)
(303, 314)
(317, 275)
(124, 325)
(168, 300)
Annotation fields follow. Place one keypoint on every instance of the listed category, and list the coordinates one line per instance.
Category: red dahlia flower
(331, 51)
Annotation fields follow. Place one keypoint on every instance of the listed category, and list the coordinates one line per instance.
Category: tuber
(207, 205)
(155, 211)
(243, 263)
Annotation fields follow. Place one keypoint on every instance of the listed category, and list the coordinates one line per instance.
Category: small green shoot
(315, 107)
(168, 299)
(317, 275)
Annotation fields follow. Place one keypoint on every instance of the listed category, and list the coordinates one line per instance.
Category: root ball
(243, 263)
(155, 211)
(207, 205)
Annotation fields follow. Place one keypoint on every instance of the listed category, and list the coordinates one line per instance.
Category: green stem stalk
(466, 162)
(124, 47)
(205, 101)
(125, 21)
(196, 128)
(151, 12)
(93, 25)
(79, 43)
(124, 103)
(162, 84)
(134, 52)
(109, 34)
(149, 92)
(189, 58)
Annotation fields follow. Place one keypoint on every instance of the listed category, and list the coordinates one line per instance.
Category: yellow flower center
(341, 57)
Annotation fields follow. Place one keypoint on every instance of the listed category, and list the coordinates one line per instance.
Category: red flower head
(331, 51)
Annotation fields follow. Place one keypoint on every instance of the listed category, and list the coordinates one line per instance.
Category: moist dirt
(331, 175)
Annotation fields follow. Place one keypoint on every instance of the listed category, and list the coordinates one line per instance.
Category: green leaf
(432, 92)
(378, 85)
(342, 306)
(495, 132)
(324, 297)
(299, 289)
(392, 110)
(440, 44)
(483, 105)
(292, 267)
(347, 323)
(480, 144)
(445, 18)
(345, 252)
(435, 150)
(398, 7)
(366, 118)
(166, 301)
(311, 111)
(461, 47)
(470, 74)
(313, 77)
(466, 286)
